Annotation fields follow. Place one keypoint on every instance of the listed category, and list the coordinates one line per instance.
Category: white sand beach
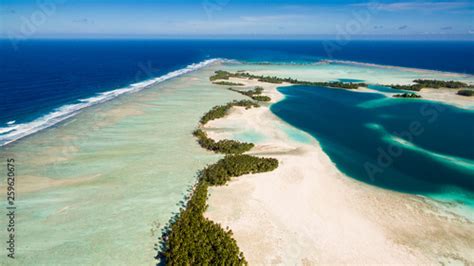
(447, 96)
(307, 212)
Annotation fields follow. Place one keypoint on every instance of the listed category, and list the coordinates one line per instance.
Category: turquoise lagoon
(413, 146)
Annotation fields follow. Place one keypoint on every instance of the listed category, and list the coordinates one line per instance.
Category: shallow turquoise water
(412, 146)
(249, 136)
(96, 189)
(384, 89)
(297, 135)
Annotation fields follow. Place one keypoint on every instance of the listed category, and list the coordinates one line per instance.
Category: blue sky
(222, 18)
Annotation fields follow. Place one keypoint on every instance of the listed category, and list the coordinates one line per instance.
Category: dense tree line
(466, 92)
(195, 240)
(221, 110)
(226, 146)
(228, 83)
(407, 95)
(436, 84)
(192, 239)
(261, 98)
(431, 83)
(255, 94)
(237, 165)
(220, 74)
(257, 91)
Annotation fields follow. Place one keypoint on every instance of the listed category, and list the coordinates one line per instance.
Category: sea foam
(14, 132)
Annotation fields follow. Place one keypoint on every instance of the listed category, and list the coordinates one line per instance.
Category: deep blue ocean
(38, 76)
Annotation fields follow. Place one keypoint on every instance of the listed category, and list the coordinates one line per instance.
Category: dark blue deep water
(433, 153)
(37, 76)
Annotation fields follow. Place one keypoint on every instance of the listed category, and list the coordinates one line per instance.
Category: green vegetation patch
(237, 165)
(431, 83)
(222, 146)
(407, 95)
(436, 84)
(196, 240)
(466, 92)
(254, 94)
(220, 74)
(257, 91)
(261, 98)
(227, 83)
(221, 110)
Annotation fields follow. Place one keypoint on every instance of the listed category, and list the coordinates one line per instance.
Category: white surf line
(15, 132)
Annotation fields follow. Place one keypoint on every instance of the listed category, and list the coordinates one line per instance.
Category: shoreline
(308, 212)
(60, 114)
(8, 134)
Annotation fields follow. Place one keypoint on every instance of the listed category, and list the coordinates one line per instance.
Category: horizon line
(322, 37)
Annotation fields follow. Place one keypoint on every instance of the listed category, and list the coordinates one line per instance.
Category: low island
(225, 75)
(407, 95)
(466, 92)
(432, 84)
(255, 94)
